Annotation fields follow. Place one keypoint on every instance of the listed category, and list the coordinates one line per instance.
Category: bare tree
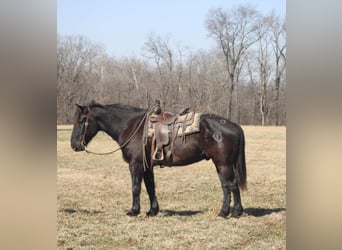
(253, 69)
(169, 66)
(278, 36)
(247, 67)
(135, 72)
(78, 72)
(264, 76)
(235, 31)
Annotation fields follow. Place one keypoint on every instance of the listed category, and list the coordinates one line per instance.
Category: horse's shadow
(259, 212)
(167, 212)
(256, 212)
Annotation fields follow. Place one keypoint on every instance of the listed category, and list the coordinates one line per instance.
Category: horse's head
(85, 128)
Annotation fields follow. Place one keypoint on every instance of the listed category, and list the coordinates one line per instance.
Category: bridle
(84, 128)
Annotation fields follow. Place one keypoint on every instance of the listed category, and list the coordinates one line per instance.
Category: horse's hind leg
(226, 176)
(150, 187)
(237, 209)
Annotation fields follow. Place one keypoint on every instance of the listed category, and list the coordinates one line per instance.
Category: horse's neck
(114, 122)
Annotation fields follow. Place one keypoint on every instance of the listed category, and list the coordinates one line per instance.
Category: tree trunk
(277, 83)
(230, 96)
(262, 102)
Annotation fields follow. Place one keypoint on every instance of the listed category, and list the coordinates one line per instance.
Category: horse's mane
(94, 104)
(114, 106)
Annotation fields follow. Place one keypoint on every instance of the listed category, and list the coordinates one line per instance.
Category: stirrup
(161, 157)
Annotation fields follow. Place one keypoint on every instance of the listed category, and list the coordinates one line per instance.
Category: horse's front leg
(150, 187)
(136, 171)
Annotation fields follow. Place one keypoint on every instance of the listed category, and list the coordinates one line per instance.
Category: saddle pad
(189, 129)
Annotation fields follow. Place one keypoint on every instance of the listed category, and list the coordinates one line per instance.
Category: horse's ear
(78, 106)
(83, 109)
(92, 103)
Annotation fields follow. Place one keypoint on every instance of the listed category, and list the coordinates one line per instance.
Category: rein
(120, 146)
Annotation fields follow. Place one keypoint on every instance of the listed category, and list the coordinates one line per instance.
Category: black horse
(218, 139)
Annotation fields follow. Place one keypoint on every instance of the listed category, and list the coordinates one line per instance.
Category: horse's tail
(240, 165)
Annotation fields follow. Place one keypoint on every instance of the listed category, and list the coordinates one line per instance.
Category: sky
(122, 27)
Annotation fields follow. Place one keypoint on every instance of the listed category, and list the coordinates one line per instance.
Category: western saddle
(166, 126)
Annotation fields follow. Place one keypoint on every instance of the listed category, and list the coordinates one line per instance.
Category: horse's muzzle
(78, 148)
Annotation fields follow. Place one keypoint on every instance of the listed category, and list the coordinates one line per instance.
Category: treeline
(242, 79)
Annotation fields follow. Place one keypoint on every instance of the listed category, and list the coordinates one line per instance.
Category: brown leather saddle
(166, 126)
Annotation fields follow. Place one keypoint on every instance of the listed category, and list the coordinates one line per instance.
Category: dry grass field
(94, 194)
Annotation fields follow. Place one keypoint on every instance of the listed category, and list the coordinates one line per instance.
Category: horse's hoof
(151, 213)
(132, 213)
(223, 215)
(236, 213)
